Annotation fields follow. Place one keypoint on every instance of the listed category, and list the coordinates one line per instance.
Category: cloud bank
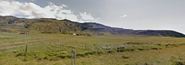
(86, 16)
(31, 10)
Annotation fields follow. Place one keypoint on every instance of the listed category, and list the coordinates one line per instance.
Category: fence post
(74, 58)
(26, 48)
(73, 52)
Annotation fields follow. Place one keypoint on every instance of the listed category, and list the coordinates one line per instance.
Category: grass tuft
(125, 57)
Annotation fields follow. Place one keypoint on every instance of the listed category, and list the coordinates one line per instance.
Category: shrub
(62, 56)
(46, 58)
(110, 51)
(167, 44)
(99, 52)
(130, 49)
(87, 53)
(91, 52)
(125, 57)
(26, 54)
(155, 48)
(82, 55)
(15, 52)
(141, 49)
(179, 62)
(21, 54)
(146, 64)
(26, 58)
(159, 44)
(52, 54)
(122, 50)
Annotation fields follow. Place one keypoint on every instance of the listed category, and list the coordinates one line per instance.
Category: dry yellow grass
(49, 49)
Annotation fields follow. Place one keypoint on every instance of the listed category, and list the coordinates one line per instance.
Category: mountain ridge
(50, 25)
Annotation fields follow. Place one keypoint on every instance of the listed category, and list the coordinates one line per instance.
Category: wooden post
(73, 52)
(26, 48)
(72, 57)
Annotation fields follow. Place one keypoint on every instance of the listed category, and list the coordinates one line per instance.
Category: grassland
(55, 49)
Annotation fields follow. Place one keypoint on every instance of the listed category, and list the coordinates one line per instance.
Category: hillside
(47, 25)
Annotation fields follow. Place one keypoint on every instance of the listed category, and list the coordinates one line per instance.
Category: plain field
(55, 49)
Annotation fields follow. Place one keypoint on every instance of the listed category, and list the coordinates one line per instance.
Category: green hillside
(48, 25)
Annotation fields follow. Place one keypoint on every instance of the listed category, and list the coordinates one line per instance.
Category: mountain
(48, 25)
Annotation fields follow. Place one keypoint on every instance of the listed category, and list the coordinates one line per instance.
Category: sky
(127, 14)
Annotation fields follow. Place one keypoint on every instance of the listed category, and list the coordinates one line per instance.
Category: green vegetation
(55, 49)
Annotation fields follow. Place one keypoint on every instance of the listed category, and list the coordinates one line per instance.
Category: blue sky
(128, 14)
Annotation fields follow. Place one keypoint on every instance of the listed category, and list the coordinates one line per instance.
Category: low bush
(179, 62)
(20, 54)
(62, 56)
(131, 49)
(26, 54)
(159, 44)
(100, 52)
(52, 54)
(122, 50)
(125, 57)
(141, 49)
(80, 54)
(46, 58)
(155, 48)
(110, 51)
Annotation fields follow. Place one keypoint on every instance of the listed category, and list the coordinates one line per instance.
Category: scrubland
(55, 49)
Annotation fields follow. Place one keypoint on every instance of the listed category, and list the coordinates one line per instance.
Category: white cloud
(123, 16)
(64, 5)
(31, 10)
(86, 16)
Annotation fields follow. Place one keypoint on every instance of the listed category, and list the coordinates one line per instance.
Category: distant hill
(48, 25)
